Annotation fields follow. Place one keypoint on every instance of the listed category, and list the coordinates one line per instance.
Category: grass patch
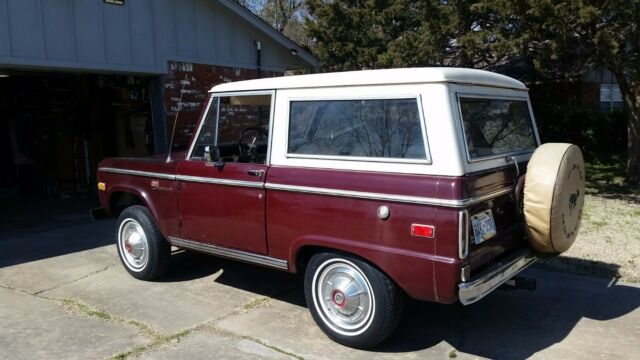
(292, 355)
(145, 329)
(255, 303)
(605, 175)
(158, 341)
(607, 245)
(75, 305)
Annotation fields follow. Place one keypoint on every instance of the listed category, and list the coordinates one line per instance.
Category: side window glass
(357, 128)
(238, 126)
(496, 126)
(207, 134)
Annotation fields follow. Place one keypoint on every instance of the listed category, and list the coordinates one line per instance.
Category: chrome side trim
(230, 253)
(475, 290)
(489, 196)
(138, 173)
(207, 180)
(200, 179)
(389, 197)
(463, 234)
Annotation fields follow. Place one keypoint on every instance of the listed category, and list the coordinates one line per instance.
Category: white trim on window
(194, 140)
(491, 93)
(416, 97)
(217, 96)
(490, 97)
(434, 113)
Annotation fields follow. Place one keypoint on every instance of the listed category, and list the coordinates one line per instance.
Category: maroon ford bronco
(373, 184)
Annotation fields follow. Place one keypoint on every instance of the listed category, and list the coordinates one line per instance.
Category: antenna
(175, 120)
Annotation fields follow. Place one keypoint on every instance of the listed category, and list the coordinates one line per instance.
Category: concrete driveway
(64, 295)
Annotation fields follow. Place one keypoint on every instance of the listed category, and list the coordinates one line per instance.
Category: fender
(144, 195)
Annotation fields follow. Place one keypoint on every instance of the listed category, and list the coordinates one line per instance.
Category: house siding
(139, 37)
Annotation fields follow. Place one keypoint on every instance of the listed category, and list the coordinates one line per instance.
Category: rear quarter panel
(296, 220)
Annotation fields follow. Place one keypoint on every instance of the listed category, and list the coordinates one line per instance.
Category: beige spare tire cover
(554, 196)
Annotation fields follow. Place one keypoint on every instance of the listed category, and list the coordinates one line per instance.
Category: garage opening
(56, 127)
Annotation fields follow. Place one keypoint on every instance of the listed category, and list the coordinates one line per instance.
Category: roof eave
(270, 31)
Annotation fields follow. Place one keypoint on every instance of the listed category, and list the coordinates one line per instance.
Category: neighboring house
(609, 93)
(597, 87)
(85, 79)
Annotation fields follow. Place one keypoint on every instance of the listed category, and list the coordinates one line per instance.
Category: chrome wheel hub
(133, 244)
(343, 297)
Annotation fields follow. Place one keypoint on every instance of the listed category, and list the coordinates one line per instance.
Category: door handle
(257, 173)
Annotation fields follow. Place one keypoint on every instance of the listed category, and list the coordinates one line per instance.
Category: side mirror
(215, 160)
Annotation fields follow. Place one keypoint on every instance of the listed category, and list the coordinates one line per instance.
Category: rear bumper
(478, 287)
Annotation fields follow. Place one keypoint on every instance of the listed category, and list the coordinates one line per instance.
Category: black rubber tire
(387, 312)
(159, 249)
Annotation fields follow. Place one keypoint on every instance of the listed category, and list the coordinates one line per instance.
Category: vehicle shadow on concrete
(577, 266)
(188, 266)
(505, 324)
(515, 324)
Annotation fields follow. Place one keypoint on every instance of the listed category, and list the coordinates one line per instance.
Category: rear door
(225, 205)
(498, 136)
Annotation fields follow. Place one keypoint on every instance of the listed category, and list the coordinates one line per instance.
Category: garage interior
(56, 127)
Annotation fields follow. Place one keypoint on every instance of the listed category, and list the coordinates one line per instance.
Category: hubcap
(133, 244)
(344, 297)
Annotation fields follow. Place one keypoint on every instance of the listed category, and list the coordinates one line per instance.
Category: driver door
(224, 204)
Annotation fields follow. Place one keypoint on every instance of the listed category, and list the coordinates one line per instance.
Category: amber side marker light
(102, 186)
(428, 231)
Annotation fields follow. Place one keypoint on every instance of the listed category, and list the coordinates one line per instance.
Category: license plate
(484, 227)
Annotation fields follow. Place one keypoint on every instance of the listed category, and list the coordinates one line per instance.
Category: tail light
(463, 234)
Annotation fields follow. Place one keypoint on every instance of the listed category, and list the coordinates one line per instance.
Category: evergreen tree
(560, 39)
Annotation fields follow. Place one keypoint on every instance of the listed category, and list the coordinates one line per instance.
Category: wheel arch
(401, 266)
(304, 253)
(121, 198)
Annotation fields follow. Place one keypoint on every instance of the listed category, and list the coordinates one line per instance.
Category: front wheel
(142, 249)
(352, 302)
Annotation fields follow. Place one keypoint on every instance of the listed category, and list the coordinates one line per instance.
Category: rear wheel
(142, 249)
(352, 302)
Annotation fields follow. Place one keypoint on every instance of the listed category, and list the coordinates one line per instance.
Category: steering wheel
(247, 143)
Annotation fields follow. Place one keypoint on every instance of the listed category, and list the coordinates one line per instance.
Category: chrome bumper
(476, 289)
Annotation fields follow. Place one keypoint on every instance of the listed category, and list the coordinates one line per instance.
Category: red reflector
(427, 231)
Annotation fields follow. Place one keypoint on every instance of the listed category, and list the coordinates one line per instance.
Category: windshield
(496, 126)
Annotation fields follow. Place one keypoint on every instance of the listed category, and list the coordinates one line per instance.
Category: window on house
(389, 128)
(610, 98)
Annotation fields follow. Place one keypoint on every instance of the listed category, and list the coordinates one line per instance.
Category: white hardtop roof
(376, 77)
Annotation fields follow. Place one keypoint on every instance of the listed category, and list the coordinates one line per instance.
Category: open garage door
(55, 128)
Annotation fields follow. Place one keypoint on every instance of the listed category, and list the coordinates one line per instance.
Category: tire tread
(392, 298)
(159, 248)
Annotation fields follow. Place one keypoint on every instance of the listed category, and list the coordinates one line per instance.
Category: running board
(230, 253)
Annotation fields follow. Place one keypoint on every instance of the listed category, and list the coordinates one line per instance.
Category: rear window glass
(357, 128)
(496, 126)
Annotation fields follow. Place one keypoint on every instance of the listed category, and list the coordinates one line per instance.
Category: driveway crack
(74, 280)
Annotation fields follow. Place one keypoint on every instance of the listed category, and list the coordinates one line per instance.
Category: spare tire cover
(554, 196)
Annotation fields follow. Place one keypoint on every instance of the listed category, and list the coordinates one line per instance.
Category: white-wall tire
(352, 302)
(142, 248)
